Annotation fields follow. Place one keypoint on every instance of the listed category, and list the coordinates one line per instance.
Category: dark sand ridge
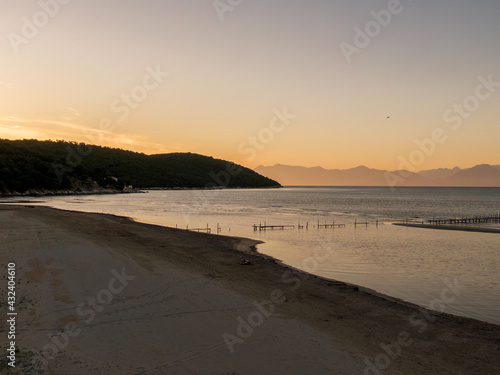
(465, 228)
(190, 288)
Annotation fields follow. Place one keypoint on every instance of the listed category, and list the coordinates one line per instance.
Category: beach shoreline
(38, 193)
(362, 330)
(449, 227)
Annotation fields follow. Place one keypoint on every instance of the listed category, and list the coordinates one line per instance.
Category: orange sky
(259, 83)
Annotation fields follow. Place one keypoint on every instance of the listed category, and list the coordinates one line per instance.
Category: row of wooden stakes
(261, 227)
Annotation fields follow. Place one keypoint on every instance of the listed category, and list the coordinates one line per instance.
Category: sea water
(414, 264)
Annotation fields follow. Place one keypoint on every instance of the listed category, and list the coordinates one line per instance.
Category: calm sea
(413, 264)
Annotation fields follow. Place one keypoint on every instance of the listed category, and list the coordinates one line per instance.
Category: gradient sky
(229, 73)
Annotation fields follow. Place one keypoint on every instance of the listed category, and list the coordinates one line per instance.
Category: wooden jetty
(299, 226)
(332, 225)
(302, 226)
(356, 223)
(467, 220)
(272, 227)
(365, 223)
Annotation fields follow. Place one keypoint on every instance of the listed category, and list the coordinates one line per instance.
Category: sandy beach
(102, 294)
(464, 228)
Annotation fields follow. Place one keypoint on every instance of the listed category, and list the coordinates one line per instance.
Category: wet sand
(102, 294)
(450, 227)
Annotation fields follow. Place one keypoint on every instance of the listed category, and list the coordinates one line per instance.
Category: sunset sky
(204, 76)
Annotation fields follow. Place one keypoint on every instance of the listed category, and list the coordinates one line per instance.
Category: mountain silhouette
(480, 175)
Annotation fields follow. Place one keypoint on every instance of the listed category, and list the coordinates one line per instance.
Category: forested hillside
(31, 165)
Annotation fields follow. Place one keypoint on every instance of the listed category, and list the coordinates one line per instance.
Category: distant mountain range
(480, 175)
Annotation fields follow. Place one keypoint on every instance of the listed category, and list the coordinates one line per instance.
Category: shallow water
(414, 264)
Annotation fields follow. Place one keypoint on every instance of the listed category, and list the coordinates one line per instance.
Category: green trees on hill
(34, 165)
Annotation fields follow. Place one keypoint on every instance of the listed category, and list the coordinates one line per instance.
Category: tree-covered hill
(29, 165)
